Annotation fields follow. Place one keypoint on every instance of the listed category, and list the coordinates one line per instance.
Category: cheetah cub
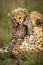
(19, 31)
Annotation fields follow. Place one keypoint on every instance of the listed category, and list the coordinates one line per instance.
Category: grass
(31, 58)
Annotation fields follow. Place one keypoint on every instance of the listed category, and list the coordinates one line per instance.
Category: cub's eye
(39, 22)
(19, 17)
(14, 19)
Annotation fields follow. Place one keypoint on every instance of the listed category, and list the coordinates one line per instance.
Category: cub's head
(18, 16)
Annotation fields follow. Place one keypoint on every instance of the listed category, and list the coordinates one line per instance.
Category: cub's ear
(24, 9)
(9, 14)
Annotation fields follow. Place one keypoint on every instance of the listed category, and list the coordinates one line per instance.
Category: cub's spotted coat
(19, 30)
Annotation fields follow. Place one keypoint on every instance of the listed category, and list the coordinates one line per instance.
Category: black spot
(19, 17)
(38, 49)
(20, 49)
(36, 34)
(3, 48)
(41, 46)
(35, 40)
(39, 37)
(42, 30)
(31, 43)
(35, 37)
(38, 42)
(32, 49)
(32, 31)
(25, 48)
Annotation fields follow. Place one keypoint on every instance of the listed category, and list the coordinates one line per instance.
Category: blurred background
(7, 6)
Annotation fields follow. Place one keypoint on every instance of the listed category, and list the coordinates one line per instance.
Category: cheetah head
(18, 16)
(36, 18)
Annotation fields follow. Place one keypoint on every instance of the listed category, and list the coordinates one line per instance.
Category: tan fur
(34, 39)
(19, 30)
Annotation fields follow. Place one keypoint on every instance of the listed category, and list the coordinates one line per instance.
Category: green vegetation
(6, 31)
(31, 58)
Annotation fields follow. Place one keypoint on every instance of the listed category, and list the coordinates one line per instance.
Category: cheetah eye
(39, 22)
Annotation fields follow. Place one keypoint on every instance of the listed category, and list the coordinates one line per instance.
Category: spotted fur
(34, 41)
(30, 31)
(19, 30)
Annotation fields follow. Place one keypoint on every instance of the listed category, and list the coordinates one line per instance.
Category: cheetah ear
(25, 10)
(9, 14)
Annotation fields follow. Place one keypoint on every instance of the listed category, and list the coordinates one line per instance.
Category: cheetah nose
(18, 24)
